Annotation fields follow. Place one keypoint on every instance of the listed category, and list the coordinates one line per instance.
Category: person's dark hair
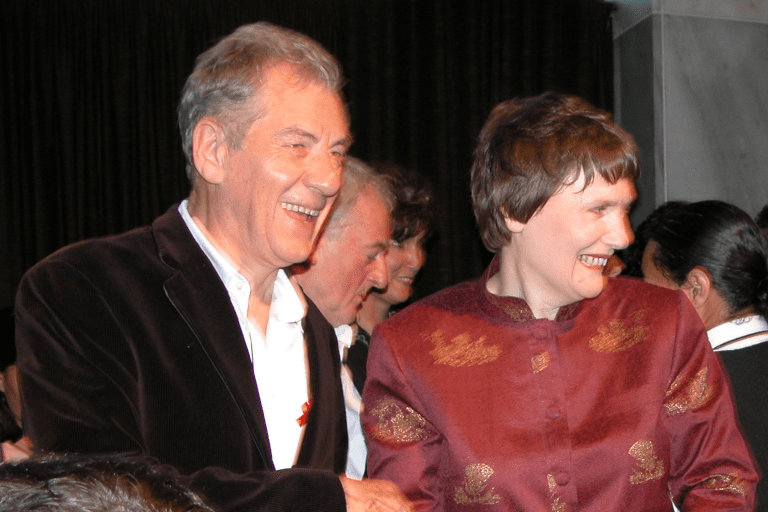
(762, 219)
(76, 483)
(633, 255)
(529, 148)
(724, 240)
(226, 80)
(414, 202)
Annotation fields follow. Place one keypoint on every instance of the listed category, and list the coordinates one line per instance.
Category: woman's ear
(515, 226)
(697, 286)
(209, 147)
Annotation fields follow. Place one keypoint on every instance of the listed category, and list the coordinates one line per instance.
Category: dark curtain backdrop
(88, 91)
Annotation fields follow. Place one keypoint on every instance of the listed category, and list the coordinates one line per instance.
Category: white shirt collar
(344, 334)
(740, 328)
(286, 305)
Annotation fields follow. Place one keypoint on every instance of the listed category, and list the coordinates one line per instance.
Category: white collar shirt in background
(358, 450)
(279, 360)
(740, 333)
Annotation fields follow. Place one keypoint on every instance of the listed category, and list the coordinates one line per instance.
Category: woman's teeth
(591, 261)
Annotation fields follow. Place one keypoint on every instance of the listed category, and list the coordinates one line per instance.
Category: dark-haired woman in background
(717, 255)
(411, 227)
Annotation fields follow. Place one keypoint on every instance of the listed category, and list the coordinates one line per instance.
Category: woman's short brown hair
(529, 148)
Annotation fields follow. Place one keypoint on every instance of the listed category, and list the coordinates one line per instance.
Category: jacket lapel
(197, 293)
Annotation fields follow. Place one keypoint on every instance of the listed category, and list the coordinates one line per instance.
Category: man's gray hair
(227, 78)
(357, 177)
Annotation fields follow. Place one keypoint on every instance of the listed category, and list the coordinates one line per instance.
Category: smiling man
(546, 385)
(185, 341)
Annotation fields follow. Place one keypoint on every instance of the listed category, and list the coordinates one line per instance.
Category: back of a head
(358, 176)
(724, 240)
(633, 255)
(529, 148)
(77, 483)
(227, 77)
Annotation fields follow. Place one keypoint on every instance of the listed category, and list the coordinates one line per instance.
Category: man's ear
(697, 286)
(209, 147)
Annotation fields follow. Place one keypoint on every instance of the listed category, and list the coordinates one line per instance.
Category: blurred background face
(404, 260)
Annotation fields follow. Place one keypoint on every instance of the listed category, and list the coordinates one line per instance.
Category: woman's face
(404, 260)
(558, 256)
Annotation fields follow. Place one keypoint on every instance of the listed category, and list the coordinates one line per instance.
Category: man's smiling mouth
(300, 209)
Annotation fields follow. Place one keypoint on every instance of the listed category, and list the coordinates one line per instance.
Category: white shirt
(353, 406)
(739, 333)
(279, 359)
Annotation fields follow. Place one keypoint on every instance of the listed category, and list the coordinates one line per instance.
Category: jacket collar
(197, 293)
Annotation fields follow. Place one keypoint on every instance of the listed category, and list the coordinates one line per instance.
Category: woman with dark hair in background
(717, 255)
(412, 224)
(15, 446)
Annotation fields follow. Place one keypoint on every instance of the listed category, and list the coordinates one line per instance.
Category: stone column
(691, 84)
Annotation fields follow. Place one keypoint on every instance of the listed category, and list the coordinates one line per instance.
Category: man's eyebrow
(344, 141)
(381, 245)
(296, 131)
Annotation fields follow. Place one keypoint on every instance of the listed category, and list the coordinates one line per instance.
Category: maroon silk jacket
(616, 405)
(130, 344)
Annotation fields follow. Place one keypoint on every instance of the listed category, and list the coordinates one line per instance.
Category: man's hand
(373, 495)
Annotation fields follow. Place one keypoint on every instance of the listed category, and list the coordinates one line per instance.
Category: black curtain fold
(88, 92)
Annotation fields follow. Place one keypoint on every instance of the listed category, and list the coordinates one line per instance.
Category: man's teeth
(301, 209)
(591, 261)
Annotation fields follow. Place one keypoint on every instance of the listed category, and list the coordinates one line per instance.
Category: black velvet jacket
(130, 344)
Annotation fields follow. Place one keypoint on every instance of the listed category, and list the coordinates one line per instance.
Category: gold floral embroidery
(473, 490)
(652, 467)
(695, 393)
(461, 350)
(557, 506)
(729, 483)
(397, 424)
(540, 362)
(615, 337)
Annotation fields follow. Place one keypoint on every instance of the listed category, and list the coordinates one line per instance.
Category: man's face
(561, 251)
(350, 260)
(280, 183)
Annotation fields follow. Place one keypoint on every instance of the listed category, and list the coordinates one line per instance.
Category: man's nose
(325, 175)
(379, 275)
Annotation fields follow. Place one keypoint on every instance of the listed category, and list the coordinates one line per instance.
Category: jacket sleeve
(81, 394)
(712, 467)
(402, 444)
